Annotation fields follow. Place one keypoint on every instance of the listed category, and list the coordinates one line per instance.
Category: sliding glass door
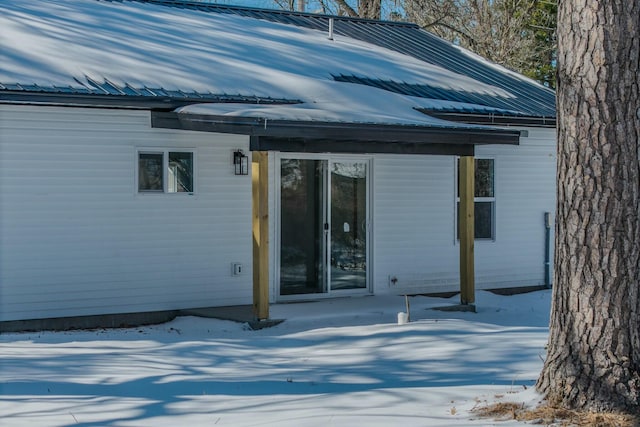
(323, 243)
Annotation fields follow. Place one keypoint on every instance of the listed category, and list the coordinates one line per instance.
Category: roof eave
(494, 119)
(156, 103)
(311, 136)
(94, 100)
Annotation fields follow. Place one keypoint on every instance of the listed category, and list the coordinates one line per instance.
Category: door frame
(368, 160)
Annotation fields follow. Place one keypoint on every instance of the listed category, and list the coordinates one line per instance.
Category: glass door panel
(348, 254)
(303, 196)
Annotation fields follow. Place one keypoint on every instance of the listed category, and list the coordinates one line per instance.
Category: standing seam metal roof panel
(470, 67)
(529, 98)
(421, 43)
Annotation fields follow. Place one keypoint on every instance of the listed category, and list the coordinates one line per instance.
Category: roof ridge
(217, 7)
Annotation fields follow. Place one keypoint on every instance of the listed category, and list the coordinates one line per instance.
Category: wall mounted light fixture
(240, 163)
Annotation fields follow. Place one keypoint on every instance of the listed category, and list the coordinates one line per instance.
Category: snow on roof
(360, 104)
(63, 43)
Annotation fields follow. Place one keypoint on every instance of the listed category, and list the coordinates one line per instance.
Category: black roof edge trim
(156, 103)
(307, 145)
(491, 119)
(361, 132)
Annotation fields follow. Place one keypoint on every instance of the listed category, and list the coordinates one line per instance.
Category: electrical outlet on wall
(237, 268)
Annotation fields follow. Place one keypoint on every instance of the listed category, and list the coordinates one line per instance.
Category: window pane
(484, 178)
(348, 225)
(150, 172)
(180, 173)
(302, 255)
(483, 220)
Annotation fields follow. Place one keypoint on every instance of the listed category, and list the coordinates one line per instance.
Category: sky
(336, 362)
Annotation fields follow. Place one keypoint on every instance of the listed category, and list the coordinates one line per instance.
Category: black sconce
(240, 163)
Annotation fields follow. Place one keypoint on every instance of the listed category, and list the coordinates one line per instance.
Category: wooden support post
(466, 218)
(260, 204)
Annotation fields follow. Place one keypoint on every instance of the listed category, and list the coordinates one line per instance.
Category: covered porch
(271, 136)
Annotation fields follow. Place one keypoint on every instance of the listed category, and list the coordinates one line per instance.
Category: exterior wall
(77, 239)
(414, 223)
(414, 218)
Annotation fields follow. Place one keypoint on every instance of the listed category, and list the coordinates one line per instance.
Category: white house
(146, 147)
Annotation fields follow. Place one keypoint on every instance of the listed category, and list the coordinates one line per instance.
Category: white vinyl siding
(525, 190)
(413, 222)
(77, 239)
(414, 218)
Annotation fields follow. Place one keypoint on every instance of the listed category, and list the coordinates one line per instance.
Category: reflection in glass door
(323, 226)
(348, 225)
(302, 226)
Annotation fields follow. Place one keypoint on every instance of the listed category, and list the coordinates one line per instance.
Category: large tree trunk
(593, 359)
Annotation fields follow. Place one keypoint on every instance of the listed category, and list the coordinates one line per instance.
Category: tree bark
(593, 359)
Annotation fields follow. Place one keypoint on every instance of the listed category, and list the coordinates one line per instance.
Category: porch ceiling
(342, 137)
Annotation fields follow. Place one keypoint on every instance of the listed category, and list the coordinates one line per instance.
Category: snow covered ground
(343, 362)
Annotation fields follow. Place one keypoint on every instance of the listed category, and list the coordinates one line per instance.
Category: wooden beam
(260, 204)
(466, 218)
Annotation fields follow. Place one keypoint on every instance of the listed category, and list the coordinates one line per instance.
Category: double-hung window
(484, 199)
(165, 171)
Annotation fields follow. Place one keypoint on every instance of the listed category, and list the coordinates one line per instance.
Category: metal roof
(528, 98)
(496, 103)
(103, 93)
(519, 97)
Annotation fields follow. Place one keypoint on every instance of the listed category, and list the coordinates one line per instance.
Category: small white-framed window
(484, 199)
(165, 171)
